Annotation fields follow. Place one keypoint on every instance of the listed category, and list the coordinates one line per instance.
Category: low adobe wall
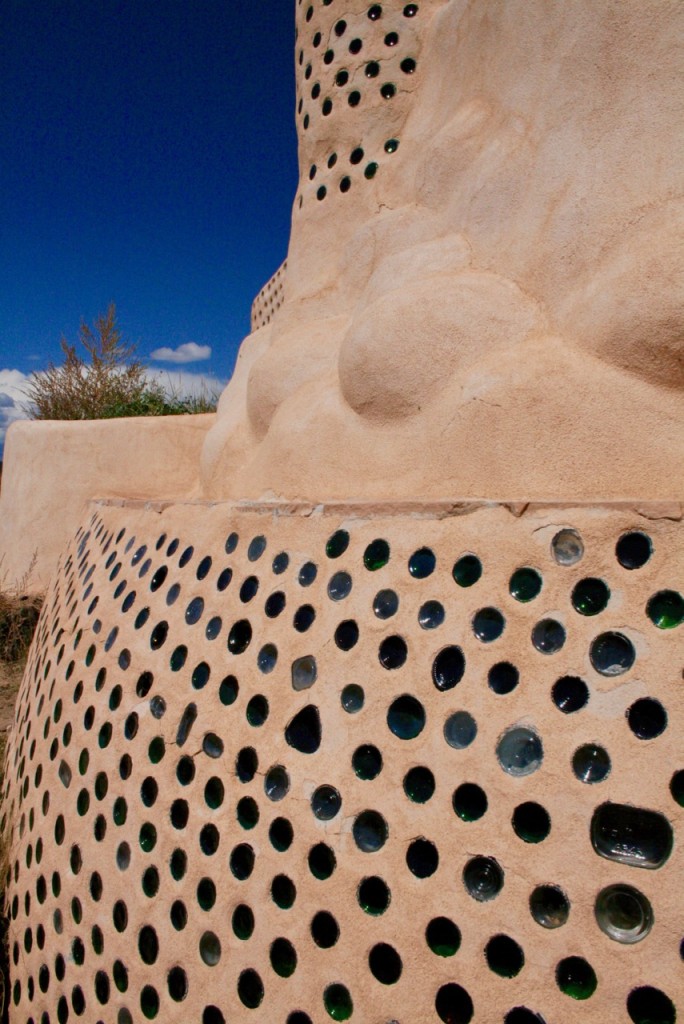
(52, 469)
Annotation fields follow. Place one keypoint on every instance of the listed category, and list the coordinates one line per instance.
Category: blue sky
(147, 158)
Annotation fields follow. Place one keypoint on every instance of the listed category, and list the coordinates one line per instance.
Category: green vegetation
(108, 382)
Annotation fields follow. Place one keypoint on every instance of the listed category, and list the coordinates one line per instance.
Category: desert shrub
(19, 614)
(109, 381)
(18, 620)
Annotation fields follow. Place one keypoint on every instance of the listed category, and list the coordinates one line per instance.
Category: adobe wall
(361, 763)
(335, 740)
(484, 279)
(52, 469)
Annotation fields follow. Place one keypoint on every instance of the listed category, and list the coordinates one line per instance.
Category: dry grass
(19, 615)
(108, 381)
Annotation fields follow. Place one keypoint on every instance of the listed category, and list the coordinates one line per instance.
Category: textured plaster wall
(52, 469)
(244, 745)
(481, 298)
(493, 308)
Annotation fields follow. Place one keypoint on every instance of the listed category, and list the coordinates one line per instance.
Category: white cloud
(13, 400)
(190, 352)
(185, 384)
(176, 383)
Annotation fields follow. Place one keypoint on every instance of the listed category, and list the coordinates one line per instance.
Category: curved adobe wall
(270, 299)
(407, 761)
(494, 306)
(356, 72)
(409, 764)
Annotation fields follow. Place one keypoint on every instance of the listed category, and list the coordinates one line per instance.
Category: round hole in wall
(422, 858)
(304, 618)
(590, 596)
(352, 698)
(367, 762)
(576, 977)
(488, 624)
(623, 913)
(325, 930)
(460, 729)
(519, 751)
(422, 563)
(373, 896)
(503, 678)
(549, 906)
(647, 718)
(281, 834)
(567, 547)
(483, 878)
(649, 1005)
(385, 963)
(283, 892)
(385, 604)
(243, 922)
(338, 1002)
(677, 787)
(453, 1004)
(591, 763)
(612, 654)
(419, 784)
(276, 783)
(470, 801)
(548, 636)
(467, 570)
(504, 956)
(666, 609)
(370, 831)
(570, 694)
(347, 635)
(406, 717)
(257, 710)
(242, 861)
(633, 549)
(322, 862)
(531, 822)
(431, 615)
(443, 937)
(393, 652)
(326, 803)
(525, 584)
(448, 668)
